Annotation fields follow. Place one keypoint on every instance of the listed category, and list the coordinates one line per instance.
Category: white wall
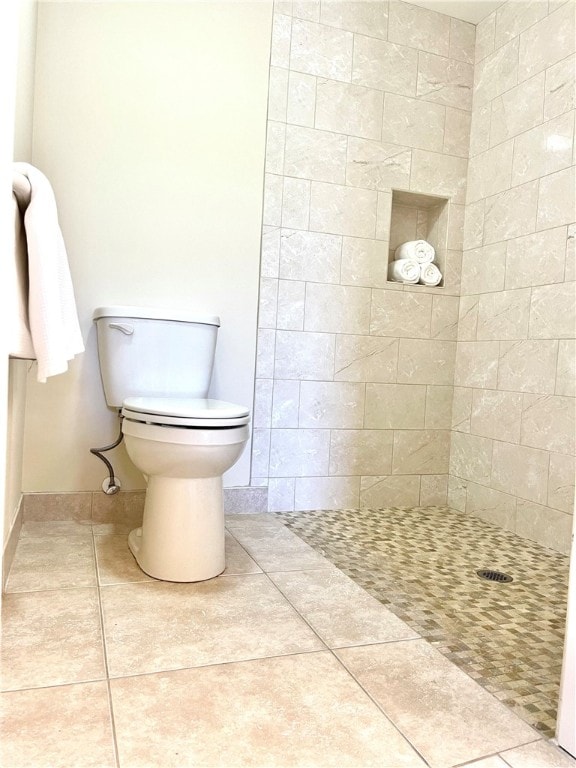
(150, 122)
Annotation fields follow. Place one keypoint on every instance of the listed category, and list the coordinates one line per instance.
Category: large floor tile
(115, 562)
(154, 626)
(340, 611)
(539, 754)
(448, 717)
(51, 638)
(52, 562)
(56, 528)
(237, 559)
(301, 710)
(275, 548)
(57, 728)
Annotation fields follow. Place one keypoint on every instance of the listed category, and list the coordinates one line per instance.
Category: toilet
(156, 366)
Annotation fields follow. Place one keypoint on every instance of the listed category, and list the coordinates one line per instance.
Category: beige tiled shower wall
(512, 456)
(355, 374)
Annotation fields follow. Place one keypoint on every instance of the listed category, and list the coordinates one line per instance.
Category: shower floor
(421, 563)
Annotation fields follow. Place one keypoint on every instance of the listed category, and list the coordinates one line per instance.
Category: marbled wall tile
(301, 104)
(444, 324)
(517, 110)
(462, 409)
(570, 272)
(331, 404)
(385, 66)
(445, 81)
(452, 272)
(260, 452)
(439, 407)
(327, 493)
(390, 491)
(503, 315)
(492, 506)
(484, 269)
(511, 213)
(544, 149)
(490, 172)
(310, 256)
(265, 353)
(366, 358)
(528, 366)
(520, 471)
(268, 302)
(403, 225)
(419, 28)
(277, 94)
(301, 355)
(457, 132)
(513, 18)
(455, 232)
(270, 259)
(281, 33)
(295, 203)
(290, 305)
(547, 42)
(474, 225)
(462, 40)
(485, 37)
(281, 494)
(316, 155)
(549, 527)
(497, 415)
(425, 452)
(413, 123)
(320, 50)
(364, 262)
(553, 311)
(361, 452)
(299, 452)
(480, 129)
(374, 165)
(433, 490)
(368, 18)
(351, 109)
(561, 478)
(496, 73)
(272, 210)
(394, 406)
(548, 422)
(436, 174)
(426, 361)
(343, 210)
(536, 259)
(308, 10)
(557, 199)
(471, 457)
(401, 314)
(383, 215)
(285, 403)
(559, 91)
(337, 309)
(476, 364)
(566, 368)
(457, 493)
(468, 317)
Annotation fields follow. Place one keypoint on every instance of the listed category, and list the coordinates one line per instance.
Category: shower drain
(488, 575)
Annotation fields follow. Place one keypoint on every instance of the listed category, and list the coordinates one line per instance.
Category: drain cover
(489, 575)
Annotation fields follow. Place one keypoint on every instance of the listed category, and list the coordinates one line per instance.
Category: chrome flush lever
(128, 330)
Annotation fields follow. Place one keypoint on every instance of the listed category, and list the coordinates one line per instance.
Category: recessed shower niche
(416, 216)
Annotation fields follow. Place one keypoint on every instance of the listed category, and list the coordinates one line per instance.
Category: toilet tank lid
(155, 313)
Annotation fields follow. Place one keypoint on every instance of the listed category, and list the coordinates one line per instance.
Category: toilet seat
(191, 413)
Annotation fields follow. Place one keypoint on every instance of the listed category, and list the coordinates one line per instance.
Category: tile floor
(282, 661)
(509, 637)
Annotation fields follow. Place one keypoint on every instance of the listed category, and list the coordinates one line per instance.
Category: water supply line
(111, 484)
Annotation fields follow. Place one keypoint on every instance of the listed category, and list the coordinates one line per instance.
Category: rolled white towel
(404, 271)
(419, 250)
(430, 274)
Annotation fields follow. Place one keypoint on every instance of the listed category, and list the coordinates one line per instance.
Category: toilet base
(182, 533)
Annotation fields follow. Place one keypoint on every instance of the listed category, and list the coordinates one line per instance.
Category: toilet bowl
(156, 368)
(183, 447)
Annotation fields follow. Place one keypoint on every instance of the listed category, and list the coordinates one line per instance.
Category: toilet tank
(148, 352)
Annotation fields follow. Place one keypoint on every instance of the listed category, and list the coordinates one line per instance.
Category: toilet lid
(185, 412)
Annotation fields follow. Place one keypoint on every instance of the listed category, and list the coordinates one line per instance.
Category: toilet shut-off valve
(111, 484)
